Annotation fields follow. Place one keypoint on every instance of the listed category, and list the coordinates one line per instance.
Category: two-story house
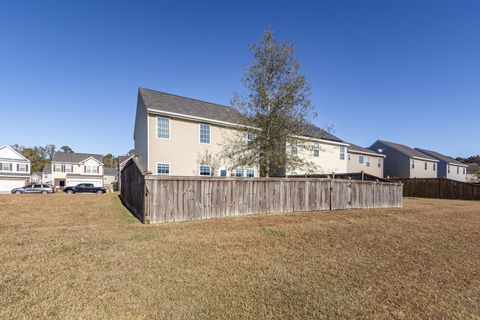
(473, 172)
(405, 162)
(173, 134)
(14, 169)
(70, 169)
(364, 160)
(447, 167)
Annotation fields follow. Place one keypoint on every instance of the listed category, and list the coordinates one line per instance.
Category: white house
(70, 169)
(14, 169)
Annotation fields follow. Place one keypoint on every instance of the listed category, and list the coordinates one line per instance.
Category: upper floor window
(458, 170)
(68, 168)
(204, 133)
(294, 147)
(413, 163)
(163, 128)
(316, 149)
(163, 169)
(5, 166)
(91, 169)
(448, 166)
(426, 165)
(22, 167)
(463, 170)
(57, 167)
(342, 153)
(249, 137)
(250, 173)
(368, 161)
(379, 162)
(205, 170)
(361, 159)
(434, 166)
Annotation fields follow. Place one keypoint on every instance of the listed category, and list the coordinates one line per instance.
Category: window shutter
(18, 167)
(11, 167)
(84, 169)
(98, 169)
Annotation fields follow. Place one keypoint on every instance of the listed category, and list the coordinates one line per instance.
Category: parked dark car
(34, 188)
(85, 188)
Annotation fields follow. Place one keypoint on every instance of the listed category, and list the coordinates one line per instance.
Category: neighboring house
(109, 176)
(36, 177)
(447, 167)
(405, 162)
(365, 160)
(173, 133)
(14, 169)
(473, 172)
(47, 174)
(70, 169)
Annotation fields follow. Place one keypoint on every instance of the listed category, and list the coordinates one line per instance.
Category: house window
(223, 172)
(5, 166)
(448, 166)
(294, 147)
(463, 170)
(458, 170)
(349, 157)
(68, 168)
(163, 168)
(163, 128)
(204, 133)
(293, 173)
(426, 165)
(239, 172)
(249, 137)
(250, 173)
(205, 170)
(91, 169)
(342, 153)
(368, 161)
(434, 166)
(316, 149)
(413, 163)
(22, 167)
(361, 159)
(57, 167)
(379, 163)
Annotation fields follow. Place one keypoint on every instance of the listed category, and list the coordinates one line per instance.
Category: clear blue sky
(406, 71)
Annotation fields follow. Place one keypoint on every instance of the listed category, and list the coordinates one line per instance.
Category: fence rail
(439, 189)
(170, 199)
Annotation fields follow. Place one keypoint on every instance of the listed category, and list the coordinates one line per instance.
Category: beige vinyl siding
(327, 162)
(77, 168)
(354, 166)
(419, 170)
(183, 150)
(460, 176)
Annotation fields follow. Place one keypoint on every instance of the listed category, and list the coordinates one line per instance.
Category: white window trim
(343, 152)
(209, 133)
(315, 144)
(163, 174)
(202, 175)
(169, 128)
(245, 172)
(363, 159)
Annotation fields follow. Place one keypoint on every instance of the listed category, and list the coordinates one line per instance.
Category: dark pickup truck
(85, 188)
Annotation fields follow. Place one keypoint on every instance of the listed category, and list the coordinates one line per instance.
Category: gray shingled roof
(75, 157)
(122, 159)
(440, 156)
(47, 169)
(354, 147)
(406, 150)
(197, 108)
(109, 171)
(473, 168)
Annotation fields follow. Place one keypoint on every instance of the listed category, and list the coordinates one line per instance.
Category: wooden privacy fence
(133, 191)
(440, 189)
(169, 199)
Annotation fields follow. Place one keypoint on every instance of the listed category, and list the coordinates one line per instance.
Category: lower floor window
(250, 173)
(239, 172)
(163, 168)
(205, 170)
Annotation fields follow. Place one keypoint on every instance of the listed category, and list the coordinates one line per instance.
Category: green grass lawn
(86, 257)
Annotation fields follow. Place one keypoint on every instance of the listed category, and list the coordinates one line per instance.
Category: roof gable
(76, 157)
(7, 152)
(406, 150)
(441, 157)
(178, 105)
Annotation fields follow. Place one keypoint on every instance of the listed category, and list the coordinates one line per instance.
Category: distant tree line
(472, 159)
(40, 156)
